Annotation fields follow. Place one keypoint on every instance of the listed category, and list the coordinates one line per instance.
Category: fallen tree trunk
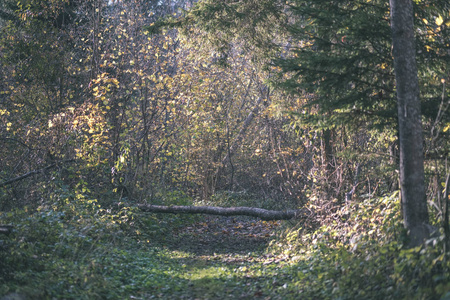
(263, 214)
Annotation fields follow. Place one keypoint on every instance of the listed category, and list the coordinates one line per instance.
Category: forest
(251, 149)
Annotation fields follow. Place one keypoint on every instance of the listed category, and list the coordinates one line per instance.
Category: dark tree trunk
(326, 150)
(412, 182)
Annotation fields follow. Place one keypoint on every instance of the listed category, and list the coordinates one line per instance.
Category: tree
(338, 67)
(412, 179)
(35, 49)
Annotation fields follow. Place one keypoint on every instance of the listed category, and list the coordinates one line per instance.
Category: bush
(360, 255)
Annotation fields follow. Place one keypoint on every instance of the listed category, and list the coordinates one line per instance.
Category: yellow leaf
(446, 128)
(439, 21)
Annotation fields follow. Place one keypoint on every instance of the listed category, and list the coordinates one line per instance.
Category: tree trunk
(263, 214)
(412, 182)
(326, 150)
(242, 132)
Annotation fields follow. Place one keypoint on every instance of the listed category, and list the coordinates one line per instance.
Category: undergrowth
(74, 248)
(358, 252)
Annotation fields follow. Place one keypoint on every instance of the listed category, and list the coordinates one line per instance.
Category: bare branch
(26, 175)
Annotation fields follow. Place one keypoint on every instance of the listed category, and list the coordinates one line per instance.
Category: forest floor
(75, 254)
(226, 258)
(197, 257)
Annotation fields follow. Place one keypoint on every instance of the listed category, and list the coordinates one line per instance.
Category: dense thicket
(115, 108)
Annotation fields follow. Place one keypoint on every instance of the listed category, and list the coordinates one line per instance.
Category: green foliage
(340, 62)
(75, 249)
(358, 253)
(71, 247)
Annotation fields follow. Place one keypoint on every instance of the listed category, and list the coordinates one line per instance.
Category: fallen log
(263, 214)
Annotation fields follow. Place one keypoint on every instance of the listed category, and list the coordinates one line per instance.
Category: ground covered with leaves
(78, 250)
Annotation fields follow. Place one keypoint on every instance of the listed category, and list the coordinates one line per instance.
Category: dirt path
(224, 235)
(226, 259)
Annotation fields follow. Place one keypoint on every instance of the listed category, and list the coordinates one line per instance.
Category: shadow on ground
(224, 235)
